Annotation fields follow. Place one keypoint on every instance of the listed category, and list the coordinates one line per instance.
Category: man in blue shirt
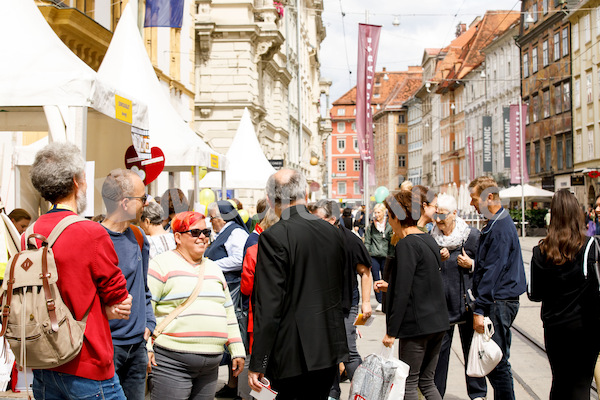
(124, 195)
(498, 277)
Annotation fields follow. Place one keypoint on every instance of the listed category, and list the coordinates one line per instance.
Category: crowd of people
(170, 294)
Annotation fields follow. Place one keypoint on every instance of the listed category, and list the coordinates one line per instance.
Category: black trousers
(313, 385)
(572, 352)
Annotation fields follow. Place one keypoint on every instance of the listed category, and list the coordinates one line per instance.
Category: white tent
(127, 65)
(248, 167)
(44, 87)
(531, 193)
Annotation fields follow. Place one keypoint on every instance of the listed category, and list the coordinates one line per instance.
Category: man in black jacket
(299, 335)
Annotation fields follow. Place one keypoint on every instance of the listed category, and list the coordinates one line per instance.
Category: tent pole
(223, 190)
(196, 184)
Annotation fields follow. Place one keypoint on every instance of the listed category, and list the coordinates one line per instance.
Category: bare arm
(366, 281)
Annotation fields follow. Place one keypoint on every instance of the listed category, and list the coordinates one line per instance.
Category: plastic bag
(379, 377)
(484, 354)
(7, 359)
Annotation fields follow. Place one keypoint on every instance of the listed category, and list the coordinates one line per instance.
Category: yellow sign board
(214, 161)
(123, 109)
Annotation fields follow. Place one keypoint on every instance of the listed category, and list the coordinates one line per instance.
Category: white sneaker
(379, 308)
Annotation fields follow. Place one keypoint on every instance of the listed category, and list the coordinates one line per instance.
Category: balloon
(233, 203)
(244, 214)
(381, 193)
(206, 197)
(202, 172)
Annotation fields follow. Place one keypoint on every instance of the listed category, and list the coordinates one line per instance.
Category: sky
(423, 24)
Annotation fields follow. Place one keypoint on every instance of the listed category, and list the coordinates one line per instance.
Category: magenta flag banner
(517, 144)
(471, 155)
(368, 43)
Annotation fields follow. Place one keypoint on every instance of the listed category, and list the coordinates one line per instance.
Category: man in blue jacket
(498, 277)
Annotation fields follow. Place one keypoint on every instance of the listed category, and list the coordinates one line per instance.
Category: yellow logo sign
(214, 161)
(123, 109)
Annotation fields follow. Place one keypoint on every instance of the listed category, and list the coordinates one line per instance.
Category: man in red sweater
(88, 279)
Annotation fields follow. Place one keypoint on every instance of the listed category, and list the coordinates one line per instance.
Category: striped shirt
(209, 322)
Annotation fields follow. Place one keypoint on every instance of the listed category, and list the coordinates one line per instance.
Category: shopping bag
(7, 359)
(484, 354)
(402, 370)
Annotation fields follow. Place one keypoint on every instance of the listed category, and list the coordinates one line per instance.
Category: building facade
(415, 139)
(343, 144)
(585, 35)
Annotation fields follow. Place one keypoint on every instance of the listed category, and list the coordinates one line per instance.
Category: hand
(478, 323)
(120, 310)
(237, 366)
(444, 253)
(380, 286)
(464, 260)
(388, 341)
(151, 361)
(254, 380)
(367, 311)
(147, 334)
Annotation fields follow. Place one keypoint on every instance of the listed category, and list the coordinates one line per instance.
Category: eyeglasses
(441, 216)
(143, 198)
(197, 232)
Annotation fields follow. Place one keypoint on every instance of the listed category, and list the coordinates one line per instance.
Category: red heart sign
(147, 169)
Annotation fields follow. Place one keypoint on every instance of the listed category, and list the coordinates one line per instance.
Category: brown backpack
(33, 312)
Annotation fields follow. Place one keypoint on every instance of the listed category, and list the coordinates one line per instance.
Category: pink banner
(471, 155)
(517, 144)
(368, 42)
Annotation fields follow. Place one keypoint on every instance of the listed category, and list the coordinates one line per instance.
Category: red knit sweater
(88, 274)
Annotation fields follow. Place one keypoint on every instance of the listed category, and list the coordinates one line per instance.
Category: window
(357, 164)
(566, 96)
(355, 144)
(569, 151)
(534, 12)
(576, 93)
(354, 127)
(376, 95)
(401, 139)
(528, 158)
(535, 104)
(587, 28)
(557, 99)
(526, 101)
(401, 119)
(341, 111)
(525, 65)
(575, 38)
(545, 6)
(556, 46)
(538, 167)
(559, 153)
(590, 131)
(589, 86)
(342, 165)
(565, 42)
(341, 144)
(356, 188)
(548, 155)
(546, 103)
(341, 127)
(545, 55)
(534, 60)
(341, 189)
(402, 161)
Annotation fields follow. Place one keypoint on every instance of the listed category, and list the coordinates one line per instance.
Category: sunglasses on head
(197, 232)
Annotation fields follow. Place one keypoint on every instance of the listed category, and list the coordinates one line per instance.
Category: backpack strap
(8, 294)
(138, 236)
(61, 226)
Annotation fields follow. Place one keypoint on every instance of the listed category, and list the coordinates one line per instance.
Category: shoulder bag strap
(585, 256)
(178, 310)
(138, 236)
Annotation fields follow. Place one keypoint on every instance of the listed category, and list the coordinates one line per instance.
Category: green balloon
(381, 193)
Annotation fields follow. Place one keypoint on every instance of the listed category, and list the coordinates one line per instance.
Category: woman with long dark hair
(564, 279)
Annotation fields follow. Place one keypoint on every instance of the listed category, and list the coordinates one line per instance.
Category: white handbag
(484, 354)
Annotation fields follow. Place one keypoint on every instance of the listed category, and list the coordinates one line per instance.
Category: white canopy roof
(248, 167)
(126, 64)
(530, 193)
(38, 69)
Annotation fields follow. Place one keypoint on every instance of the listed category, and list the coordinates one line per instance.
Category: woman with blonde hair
(378, 237)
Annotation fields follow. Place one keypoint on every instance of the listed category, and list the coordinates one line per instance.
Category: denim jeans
(52, 385)
(354, 359)
(377, 266)
(130, 365)
(502, 314)
(421, 354)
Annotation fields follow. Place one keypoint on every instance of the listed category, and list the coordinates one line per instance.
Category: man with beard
(89, 279)
(124, 195)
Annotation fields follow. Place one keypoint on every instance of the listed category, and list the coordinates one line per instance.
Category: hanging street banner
(368, 43)
(517, 144)
(506, 131)
(487, 144)
(164, 13)
(471, 155)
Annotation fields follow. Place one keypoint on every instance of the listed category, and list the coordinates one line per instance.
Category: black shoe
(226, 392)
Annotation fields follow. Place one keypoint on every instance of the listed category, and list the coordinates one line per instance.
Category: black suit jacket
(298, 319)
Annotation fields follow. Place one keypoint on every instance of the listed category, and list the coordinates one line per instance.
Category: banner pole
(521, 152)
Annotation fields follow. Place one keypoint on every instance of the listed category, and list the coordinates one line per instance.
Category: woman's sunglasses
(197, 232)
